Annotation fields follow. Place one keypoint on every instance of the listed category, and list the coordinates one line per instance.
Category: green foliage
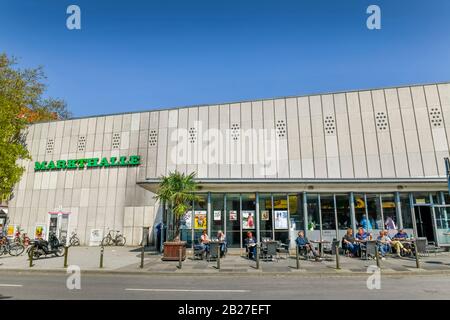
(178, 190)
(21, 102)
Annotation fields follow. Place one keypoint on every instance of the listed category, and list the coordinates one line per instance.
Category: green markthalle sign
(87, 163)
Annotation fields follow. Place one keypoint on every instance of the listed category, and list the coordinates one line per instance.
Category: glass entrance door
(424, 222)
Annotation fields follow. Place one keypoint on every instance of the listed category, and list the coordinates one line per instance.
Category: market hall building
(320, 163)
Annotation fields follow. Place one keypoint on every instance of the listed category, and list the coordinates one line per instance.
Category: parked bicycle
(21, 238)
(74, 241)
(11, 247)
(117, 240)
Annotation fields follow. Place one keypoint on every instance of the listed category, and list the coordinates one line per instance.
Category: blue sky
(139, 55)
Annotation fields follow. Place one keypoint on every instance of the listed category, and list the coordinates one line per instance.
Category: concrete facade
(393, 136)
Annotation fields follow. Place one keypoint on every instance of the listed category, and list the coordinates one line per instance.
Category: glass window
(217, 213)
(327, 209)
(360, 210)
(280, 215)
(343, 211)
(389, 212)
(406, 211)
(248, 213)
(421, 198)
(265, 211)
(312, 202)
(199, 219)
(446, 198)
(296, 211)
(443, 224)
(233, 206)
(374, 210)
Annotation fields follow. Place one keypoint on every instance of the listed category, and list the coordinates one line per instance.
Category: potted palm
(177, 191)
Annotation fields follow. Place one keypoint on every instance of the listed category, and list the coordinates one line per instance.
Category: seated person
(250, 245)
(349, 242)
(303, 241)
(397, 239)
(362, 235)
(383, 243)
(223, 243)
(204, 240)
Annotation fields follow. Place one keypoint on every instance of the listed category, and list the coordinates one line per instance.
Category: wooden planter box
(172, 251)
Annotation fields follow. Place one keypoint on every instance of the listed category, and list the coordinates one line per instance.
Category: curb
(300, 272)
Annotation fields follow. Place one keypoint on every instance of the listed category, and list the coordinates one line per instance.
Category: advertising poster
(281, 219)
(95, 237)
(200, 219)
(186, 221)
(11, 231)
(217, 215)
(248, 219)
(233, 215)
(40, 231)
(265, 215)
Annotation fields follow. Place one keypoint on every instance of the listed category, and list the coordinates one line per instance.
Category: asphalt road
(14, 285)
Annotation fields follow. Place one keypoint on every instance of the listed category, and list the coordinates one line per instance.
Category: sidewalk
(126, 260)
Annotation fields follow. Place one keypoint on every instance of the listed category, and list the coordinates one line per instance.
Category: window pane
(327, 209)
(389, 212)
(343, 211)
(217, 213)
(360, 211)
(200, 215)
(280, 214)
(248, 212)
(233, 220)
(443, 225)
(406, 211)
(374, 210)
(265, 211)
(313, 212)
(296, 211)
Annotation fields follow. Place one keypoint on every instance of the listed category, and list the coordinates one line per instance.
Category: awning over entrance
(311, 185)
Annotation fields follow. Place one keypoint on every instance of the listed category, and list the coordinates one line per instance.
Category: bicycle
(14, 248)
(74, 241)
(117, 240)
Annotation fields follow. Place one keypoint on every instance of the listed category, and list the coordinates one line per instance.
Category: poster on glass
(200, 219)
(217, 215)
(40, 231)
(265, 215)
(248, 219)
(281, 219)
(233, 215)
(186, 220)
(11, 231)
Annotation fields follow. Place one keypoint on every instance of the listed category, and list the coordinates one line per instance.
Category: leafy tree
(177, 190)
(21, 103)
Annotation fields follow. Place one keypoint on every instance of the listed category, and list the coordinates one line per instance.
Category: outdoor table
(320, 243)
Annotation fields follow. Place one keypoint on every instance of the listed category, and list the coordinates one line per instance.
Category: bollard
(101, 256)
(377, 256)
(180, 259)
(218, 257)
(297, 256)
(417, 258)
(142, 257)
(257, 256)
(337, 257)
(31, 256)
(66, 252)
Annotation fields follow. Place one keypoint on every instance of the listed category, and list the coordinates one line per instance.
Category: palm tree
(177, 189)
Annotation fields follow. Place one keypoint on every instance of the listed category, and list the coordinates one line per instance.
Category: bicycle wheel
(120, 241)
(60, 251)
(74, 242)
(106, 241)
(16, 249)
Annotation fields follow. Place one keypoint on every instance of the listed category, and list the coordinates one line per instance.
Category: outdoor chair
(284, 248)
(213, 252)
(270, 250)
(425, 247)
(304, 252)
(199, 251)
(369, 249)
